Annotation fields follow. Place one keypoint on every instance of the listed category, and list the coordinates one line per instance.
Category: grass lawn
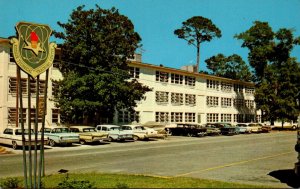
(103, 180)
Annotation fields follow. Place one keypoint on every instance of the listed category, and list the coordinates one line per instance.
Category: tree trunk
(198, 58)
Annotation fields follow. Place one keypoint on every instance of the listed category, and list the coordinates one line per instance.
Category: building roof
(184, 72)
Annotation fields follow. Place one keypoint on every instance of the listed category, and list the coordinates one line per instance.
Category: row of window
(175, 78)
(24, 85)
(12, 115)
(162, 97)
(175, 117)
(227, 87)
(227, 102)
(238, 118)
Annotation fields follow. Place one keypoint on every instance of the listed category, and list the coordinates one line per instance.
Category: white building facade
(176, 96)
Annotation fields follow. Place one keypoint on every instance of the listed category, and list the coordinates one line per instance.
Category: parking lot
(249, 158)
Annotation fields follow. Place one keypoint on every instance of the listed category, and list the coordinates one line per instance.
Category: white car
(13, 137)
(115, 132)
(244, 128)
(142, 133)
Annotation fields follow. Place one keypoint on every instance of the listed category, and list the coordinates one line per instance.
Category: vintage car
(226, 128)
(244, 128)
(142, 133)
(265, 128)
(255, 128)
(13, 137)
(211, 129)
(60, 135)
(186, 129)
(88, 134)
(115, 132)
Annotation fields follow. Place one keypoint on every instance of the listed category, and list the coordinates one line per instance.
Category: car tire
(110, 139)
(82, 142)
(135, 138)
(51, 143)
(14, 145)
(294, 127)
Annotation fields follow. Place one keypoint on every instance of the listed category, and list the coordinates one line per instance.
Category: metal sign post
(34, 55)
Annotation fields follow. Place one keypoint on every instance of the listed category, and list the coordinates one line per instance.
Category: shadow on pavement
(287, 176)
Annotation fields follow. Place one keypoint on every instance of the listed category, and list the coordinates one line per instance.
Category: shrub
(10, 182)
(68, 183)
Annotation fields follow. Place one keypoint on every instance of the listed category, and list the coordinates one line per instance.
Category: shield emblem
(32, 51)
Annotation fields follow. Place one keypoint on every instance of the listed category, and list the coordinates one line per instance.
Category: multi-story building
(8, 91)
(178, 95)
(181, 95)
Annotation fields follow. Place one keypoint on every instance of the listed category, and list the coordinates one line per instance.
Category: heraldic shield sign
(32, 51)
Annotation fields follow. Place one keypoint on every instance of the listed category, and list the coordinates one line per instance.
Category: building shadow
(287, 176)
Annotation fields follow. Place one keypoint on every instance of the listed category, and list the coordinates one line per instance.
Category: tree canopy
(232, 67)
(277, 74)
(197, 30)
(96, 82)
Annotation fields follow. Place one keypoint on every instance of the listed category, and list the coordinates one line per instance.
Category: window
(55, 87)
(177, 98)
(226, 87)
(161, 116)
(249, 104)
(161, 97)
(55, 115)
(190, 80)
(12, 115)
(238, 103)
(134, 72)
(238, 88)
(190, 117)
(128, 117)
(225, 117)
(212, 118)
(226, 102)
(13, 85)
(239, 118)
(249, 90)
(162, 76)
(176, 78)
(32, 116)
(33, 86)
(190, 99)
(212, 84)
(176, 116)
(212, 101)
(11, 57)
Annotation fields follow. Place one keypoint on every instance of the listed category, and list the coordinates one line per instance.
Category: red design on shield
(34, 39)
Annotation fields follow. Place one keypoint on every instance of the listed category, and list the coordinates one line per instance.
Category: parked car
(60, 135)
(226, 128)
(244, 128)
(265, 128)
(13, 136)
(186, 129)
(211, 129)
(88, 134)
(115, 132)
(255, 128)
(142, 133)
(286, 126)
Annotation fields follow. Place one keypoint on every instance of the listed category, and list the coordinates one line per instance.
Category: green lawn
(102, 180)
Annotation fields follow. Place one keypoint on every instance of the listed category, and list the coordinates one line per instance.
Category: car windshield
(26, 131)
(115, 128)
(60, 130)
(126, 128)
(89, 130)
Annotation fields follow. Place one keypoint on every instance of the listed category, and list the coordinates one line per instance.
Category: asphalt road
(251, 158)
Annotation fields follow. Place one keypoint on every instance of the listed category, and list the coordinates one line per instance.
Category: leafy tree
(197, 30)
(232, 67)
(96, 80)
(277, 73)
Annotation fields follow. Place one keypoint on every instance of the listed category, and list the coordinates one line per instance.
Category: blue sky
(156, 20)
